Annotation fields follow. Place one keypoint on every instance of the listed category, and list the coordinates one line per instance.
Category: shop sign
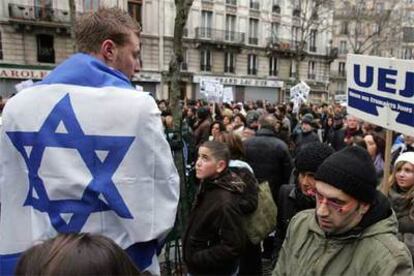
(240, 81)
(18, 73)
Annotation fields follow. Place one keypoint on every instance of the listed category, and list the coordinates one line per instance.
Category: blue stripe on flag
(8, 264)
(142, 253)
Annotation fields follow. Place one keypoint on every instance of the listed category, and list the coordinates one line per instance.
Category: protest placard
(381, 91)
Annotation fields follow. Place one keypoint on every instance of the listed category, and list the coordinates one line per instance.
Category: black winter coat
(215, 238)
(290, 202)
(270, 159)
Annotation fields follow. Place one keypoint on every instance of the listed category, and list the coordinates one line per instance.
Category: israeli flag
(84, 152)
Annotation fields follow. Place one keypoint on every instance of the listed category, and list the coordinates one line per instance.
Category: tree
(72, 13)
(369, 25)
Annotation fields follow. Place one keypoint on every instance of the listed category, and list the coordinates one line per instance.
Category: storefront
(149, 81)
(246, 89)
(12, 74)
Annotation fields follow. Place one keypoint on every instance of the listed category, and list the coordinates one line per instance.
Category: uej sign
(381, 91)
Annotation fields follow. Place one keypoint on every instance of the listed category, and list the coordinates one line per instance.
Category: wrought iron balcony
(282, 44)
(38, 14)
(221, 36)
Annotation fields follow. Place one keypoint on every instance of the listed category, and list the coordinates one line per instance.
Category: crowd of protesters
(321, 159)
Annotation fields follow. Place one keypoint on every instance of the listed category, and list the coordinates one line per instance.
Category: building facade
(248, 45)
(370, 27)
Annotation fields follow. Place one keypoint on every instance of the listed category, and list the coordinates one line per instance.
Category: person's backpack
(259, 224)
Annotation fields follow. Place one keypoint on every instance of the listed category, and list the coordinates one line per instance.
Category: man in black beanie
(351, 231)
(300, 196)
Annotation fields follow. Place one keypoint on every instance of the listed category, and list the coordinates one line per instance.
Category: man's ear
(108, 50)
(364, 207)
(221, 166)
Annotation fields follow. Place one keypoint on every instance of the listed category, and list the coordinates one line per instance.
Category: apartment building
(248, 45)
(372, 27)
(35, 36)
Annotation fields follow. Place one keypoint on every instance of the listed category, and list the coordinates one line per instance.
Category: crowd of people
(321, 160)
(97, 194)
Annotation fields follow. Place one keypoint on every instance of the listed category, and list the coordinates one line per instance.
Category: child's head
(76, 254)
(213, 159)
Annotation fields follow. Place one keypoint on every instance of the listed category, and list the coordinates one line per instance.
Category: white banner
(381, 91)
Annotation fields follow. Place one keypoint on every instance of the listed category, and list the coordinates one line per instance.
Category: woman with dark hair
(328, 130)
(376, 148)
(216, 128)
(239, 122)
(75, 255)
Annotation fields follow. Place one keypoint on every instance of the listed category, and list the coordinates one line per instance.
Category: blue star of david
(86, 145)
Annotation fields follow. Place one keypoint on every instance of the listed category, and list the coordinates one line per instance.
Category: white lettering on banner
(240, 81)
(9, 73)
(381, 91)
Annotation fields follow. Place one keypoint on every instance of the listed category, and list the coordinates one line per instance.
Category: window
(206, 23)
(275, 29)
(342, 47)
(91, 5)
(273, 66)
(251, 64)
(276, 6)
(230, 27)
(293, 69)
(254, 4)
(205, 61)
(343, 28)
(231, 2)
(311, 70)
(341, 69)
(45, 49)
(229, 62)
(1, 47)
(253, 31)
(312, 41)
(43, 9)
(184, 65)
(295, 34)
(135, 9)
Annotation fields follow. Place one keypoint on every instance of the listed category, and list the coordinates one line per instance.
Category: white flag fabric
(76, 158)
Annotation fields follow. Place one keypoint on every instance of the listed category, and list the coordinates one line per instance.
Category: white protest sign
(299, 94)
(211, 89)
(228, 95)
(381, 91)
(24, 84)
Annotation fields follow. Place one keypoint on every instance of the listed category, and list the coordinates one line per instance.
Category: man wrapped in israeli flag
(82, 151)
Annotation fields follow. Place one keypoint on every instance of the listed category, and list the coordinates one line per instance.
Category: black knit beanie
(311, 156)
(352, 171)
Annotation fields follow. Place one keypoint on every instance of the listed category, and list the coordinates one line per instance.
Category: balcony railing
(219, 35)
(282, 44)
(38, 14)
